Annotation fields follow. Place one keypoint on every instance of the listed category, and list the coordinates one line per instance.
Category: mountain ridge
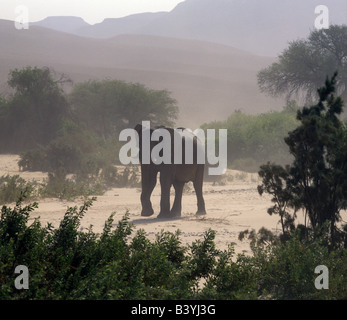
(261, 27)
(67, 24)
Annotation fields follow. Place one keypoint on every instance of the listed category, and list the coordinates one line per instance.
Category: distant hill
(263, 27)
(116, 26)
(64, 24)
(109, 28)
(208, 80)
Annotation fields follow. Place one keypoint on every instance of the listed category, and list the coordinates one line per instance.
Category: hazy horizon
(90, 11)
(207, 53)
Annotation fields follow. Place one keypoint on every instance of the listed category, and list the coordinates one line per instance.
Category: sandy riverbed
(231, 208)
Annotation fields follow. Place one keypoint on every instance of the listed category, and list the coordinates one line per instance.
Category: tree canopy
(305, 64)
(40, 114)
(109, 106)
(33, 114)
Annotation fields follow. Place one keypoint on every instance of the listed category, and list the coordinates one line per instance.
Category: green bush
(68, 263)
(59, 186)
(12, 187)
(286, 269)
(84, 184)
(75, 150)
(33, 160)
(255, 139)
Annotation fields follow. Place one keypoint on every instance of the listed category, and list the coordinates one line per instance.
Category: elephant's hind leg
(148, 183)
(176, 209)
(198, 190)
(165, 183)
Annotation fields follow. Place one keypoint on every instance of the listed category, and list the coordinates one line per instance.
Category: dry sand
(231, 208)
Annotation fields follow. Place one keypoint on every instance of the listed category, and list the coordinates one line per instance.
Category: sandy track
(231, 208)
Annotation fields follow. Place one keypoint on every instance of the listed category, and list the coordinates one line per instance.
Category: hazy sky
(92, 11)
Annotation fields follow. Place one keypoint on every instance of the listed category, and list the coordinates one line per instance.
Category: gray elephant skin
(175, 175)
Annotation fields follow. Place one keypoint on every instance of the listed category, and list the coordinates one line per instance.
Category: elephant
(170, 174)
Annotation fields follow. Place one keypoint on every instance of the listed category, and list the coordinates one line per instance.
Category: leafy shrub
(285, 270)
(68, 263)
(255, 139)
(114, 177)
(11, 188)
(231, 280)
(74, 149)
(33, 160)
(58, 185)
